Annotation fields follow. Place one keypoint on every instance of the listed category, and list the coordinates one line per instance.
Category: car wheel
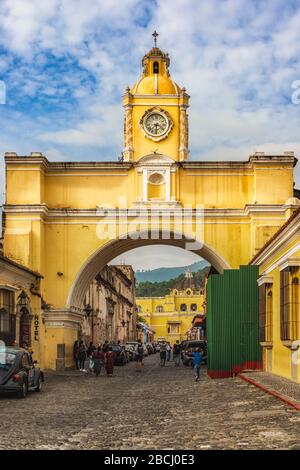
(23, 392)
(39, 385)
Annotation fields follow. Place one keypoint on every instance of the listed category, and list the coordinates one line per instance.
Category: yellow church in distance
(171, 316)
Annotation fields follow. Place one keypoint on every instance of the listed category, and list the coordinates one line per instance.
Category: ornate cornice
(97, 213)
(62, 318)
(47, 166)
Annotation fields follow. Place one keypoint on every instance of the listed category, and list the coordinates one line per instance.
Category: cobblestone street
(160, 408)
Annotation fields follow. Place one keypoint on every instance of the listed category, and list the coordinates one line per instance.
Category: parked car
(188, 347)
(18, 372)
(121, 357)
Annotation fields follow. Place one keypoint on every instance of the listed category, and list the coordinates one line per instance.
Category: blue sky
(66, 63)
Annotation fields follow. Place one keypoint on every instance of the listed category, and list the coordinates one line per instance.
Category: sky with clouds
(66, 63)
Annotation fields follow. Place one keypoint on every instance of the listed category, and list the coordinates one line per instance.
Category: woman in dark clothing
(82, 356)
(76, 354)
(109, 362)
(91, 348)
(98, 358)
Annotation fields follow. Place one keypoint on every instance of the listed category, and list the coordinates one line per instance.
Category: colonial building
(20, 304)
(279, 299)
(171, 316)
(57, 222)
(110, 307)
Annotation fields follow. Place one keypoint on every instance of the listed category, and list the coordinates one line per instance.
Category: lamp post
(88, 311)
(124, 324)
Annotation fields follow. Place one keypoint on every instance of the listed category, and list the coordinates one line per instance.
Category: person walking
(197, 359)
(76, 354)
(82, 356)
(109, 362)
(168, 352)
(98, 357)
(163, 353)
(105, 346)
(176, 353)
(139, 356)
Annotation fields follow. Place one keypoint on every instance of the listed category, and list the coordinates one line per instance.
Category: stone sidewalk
(285, 387)
(159, 408)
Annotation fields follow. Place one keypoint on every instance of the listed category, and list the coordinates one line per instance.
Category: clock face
(156, 124)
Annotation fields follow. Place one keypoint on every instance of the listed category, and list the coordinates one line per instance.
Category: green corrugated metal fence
(232, 322)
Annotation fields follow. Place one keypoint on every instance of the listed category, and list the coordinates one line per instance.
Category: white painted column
(168, 185)
(145, 185)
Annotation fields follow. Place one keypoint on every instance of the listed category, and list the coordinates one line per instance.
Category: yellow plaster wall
(281, 355)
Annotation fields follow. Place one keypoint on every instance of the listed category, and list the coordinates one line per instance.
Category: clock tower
(156, 120)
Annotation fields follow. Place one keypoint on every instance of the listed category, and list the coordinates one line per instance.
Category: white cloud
(158, 256)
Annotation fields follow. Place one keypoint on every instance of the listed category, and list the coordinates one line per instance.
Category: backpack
(140, 349)
(176, 349)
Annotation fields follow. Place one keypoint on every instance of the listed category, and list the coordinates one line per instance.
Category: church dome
(156, 78)
(149, 86)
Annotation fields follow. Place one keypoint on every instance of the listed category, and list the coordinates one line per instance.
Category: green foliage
(140, 319)
(161, 289)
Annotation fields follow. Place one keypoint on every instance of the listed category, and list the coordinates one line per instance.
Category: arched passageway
(114, 248)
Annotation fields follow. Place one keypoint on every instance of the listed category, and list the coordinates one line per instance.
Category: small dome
(155, 79)
(293, 201)
(151, 85)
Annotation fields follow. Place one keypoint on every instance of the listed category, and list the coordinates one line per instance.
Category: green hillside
(160, 289)
(166, 274)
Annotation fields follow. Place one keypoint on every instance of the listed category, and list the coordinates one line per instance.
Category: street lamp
(23, 299)
(88, 310)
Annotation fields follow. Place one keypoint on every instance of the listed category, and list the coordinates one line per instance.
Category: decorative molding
(289, 262)
(62, 318)
(264, 280)
(281, 260)
(128, 134)
(67, 212)
(9, 287)
(17, 275)
(183, 134)
(154, 159)
(267, 344)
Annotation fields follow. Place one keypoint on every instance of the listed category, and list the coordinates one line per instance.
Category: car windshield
(7, 360)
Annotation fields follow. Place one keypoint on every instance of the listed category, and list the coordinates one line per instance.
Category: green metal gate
(232, 322)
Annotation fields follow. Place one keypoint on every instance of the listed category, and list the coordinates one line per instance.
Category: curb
(277, 395)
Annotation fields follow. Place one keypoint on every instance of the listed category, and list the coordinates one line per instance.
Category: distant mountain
(165, 274)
